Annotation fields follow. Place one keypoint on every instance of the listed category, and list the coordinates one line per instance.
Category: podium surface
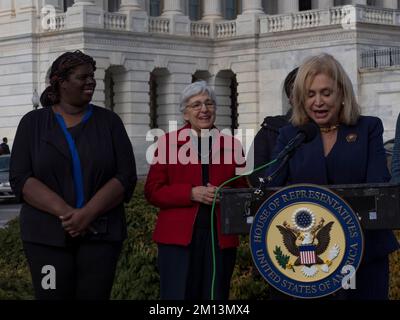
(376, 205)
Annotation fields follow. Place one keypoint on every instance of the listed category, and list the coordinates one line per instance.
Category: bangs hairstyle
(194, 89)
(329, 66)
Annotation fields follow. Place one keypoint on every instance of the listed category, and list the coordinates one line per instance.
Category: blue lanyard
(76, 163)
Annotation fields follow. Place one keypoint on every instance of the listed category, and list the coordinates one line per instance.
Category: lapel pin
(352, 137)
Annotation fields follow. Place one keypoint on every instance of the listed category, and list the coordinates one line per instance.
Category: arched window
(153, 101)
(109, 90)
(155, 8)
(234, 103)
(114, 5)
(194, 10)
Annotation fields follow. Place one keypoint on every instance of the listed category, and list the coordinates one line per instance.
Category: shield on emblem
(307, 254)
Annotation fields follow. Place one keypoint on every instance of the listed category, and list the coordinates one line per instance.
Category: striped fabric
(307, 255)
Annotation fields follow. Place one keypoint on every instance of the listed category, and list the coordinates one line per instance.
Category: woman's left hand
(76, 222)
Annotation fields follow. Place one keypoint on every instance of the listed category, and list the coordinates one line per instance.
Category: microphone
(305, 134)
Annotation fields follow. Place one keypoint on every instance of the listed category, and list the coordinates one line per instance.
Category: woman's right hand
(204, 194)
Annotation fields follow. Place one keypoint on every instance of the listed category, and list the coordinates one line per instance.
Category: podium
(377, 205)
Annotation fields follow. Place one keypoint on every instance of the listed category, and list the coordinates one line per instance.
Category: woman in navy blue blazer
(347, 149)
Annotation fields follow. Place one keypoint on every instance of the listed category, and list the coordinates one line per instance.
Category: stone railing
(272, 24)
(380, 16)
(51, 24)
(60, 21)
(306, 19)
(336, 15)
(159, 25)
(114, 21)
(225, 29)
(200, 29)
(347, 16)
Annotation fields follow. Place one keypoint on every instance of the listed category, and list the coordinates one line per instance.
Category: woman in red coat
(187, 168)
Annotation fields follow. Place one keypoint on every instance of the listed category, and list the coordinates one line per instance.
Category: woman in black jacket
(72, 166)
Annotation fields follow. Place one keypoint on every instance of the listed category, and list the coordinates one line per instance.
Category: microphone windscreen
(309, 130)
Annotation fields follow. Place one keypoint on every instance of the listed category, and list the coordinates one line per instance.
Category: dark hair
(61, 68)
(289, 82)
(5, 139)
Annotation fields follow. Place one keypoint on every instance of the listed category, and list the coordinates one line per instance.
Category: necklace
(329, 129)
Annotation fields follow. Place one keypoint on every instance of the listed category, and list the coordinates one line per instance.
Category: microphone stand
(259, 193)
(305, 134)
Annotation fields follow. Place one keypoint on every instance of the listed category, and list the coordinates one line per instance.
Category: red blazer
(169, 186)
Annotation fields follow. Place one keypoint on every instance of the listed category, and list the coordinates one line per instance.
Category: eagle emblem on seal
(306, 240)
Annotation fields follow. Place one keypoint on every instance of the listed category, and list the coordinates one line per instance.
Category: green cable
(212, 220)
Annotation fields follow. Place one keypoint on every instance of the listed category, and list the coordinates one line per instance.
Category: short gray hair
(194, 89)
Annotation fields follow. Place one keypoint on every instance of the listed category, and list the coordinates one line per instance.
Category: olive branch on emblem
(283, 260)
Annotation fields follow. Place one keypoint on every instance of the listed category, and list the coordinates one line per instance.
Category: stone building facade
(147, 51)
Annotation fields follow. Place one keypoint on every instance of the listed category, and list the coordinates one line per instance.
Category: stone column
(390, 4)
(180, 24)
(6, 8)
(288, 6)
(30, 6)
(248, 103)
(26, 9)
(131, 88)
(131, 5)
(212, 10)
(252, 7)
(248, 21)
(100, 4)
(84, 13)
(172, 7)
(83, 3)
(24, 17)
(137, 18)
(323, 4)
(363, 2)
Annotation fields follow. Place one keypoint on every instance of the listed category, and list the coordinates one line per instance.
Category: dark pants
(84, 270)
(186, 272)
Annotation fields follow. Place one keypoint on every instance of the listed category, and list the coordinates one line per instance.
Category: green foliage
(247, 283)
(15, 280)
(137, 276)
(394, 281)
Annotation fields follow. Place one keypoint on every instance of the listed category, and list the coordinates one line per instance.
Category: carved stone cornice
(305, 39)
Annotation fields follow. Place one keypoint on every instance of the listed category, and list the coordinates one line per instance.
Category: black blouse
(40, 150)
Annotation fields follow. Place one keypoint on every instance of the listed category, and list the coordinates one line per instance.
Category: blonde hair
(327, 65)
